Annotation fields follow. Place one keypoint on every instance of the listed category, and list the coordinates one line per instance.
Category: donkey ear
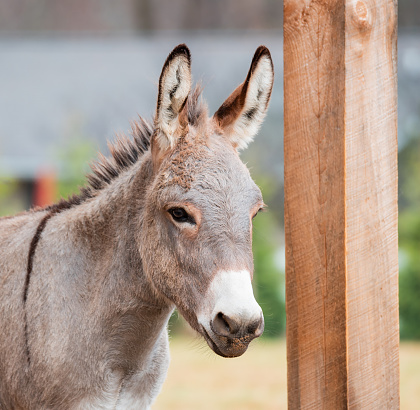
(174, 87)
(241, 115)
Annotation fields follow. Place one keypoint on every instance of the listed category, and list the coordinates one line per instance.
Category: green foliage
(409, 240)
(268, 277)
(409, 176)
(10, 198)
(410, 300)
(74, 159)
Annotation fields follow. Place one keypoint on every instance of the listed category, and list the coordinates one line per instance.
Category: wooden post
(340, 143)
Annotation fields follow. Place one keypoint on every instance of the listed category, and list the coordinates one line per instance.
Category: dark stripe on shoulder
(31, 254)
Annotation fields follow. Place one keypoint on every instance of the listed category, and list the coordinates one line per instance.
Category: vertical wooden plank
(315, 203)
(340, 203)
(371, 204)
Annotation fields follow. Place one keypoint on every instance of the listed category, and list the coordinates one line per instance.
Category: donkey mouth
(211, 343)
(225, 346)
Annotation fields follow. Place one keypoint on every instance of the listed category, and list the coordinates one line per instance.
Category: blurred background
(74, 73)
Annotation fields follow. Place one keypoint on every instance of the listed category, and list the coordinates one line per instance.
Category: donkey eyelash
(256, 213)
(262, 209)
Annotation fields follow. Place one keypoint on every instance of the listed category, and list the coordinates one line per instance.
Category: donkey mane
(125, 152)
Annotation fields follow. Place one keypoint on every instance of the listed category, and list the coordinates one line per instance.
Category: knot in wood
(362, 15)
(361, 10)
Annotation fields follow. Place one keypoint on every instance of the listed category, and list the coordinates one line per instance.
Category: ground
(198, 379)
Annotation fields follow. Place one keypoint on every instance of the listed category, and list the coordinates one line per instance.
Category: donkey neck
(102, 233)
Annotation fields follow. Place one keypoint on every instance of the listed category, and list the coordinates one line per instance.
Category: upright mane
(125, 152)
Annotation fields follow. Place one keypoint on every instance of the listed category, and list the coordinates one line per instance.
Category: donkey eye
(181, 215)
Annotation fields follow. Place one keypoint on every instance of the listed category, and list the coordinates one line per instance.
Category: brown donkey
(87, 285)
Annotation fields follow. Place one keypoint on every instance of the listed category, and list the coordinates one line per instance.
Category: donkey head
(197, 228)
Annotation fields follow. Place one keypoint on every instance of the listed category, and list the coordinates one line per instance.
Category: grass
(410, 375)
(198, 379)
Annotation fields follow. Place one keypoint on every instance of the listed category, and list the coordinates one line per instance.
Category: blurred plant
(409, 239)
(10, 197)
(268, 277)
(75, 159)
(410, 275)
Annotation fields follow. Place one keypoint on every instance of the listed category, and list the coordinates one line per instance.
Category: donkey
(87, 285)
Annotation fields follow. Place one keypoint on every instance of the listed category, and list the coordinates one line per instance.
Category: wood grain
(341, 203)
(371, 204)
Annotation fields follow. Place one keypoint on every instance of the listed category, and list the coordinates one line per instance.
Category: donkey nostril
(224, 325)
(221, 318)
(236, 327)
(257, 327)
(252, 327)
